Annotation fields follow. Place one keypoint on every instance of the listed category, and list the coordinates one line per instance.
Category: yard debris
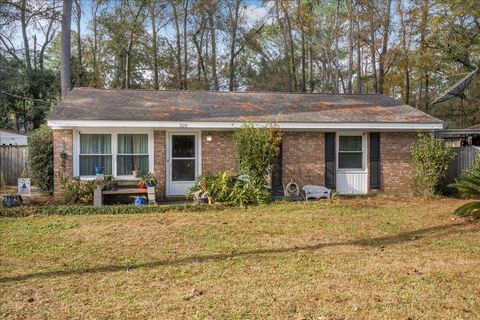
(415, 272)
(192, 294)
(30, 299)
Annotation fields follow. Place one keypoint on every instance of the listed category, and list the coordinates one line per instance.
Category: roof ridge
(235, 92)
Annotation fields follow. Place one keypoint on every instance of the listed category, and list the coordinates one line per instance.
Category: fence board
(13, 160)
(464, 158)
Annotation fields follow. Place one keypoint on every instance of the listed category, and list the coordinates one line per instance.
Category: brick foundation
(62, 138)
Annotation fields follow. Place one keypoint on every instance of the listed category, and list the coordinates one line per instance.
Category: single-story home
(351, 143)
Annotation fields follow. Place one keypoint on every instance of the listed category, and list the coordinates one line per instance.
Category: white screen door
(182, 162)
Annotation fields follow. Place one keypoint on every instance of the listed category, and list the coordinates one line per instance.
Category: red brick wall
(159, 159)
(218, 154)
(396, 161)
(304, 157)
(62, 137)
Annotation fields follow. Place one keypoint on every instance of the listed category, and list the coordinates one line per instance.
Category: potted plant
(148, 180)
(136, 172)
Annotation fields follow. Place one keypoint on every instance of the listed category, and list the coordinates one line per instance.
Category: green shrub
(75, 190)
(468, 185)
(431, 158)
(77, 209)
(257, 148)
(228, 189)
(40, 158)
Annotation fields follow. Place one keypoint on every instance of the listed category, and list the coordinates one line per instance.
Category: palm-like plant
(468, 184)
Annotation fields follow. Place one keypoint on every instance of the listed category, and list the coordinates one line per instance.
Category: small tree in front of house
(431, 158)
(257, 148)
(40, 158)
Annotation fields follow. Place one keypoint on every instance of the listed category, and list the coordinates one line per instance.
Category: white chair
(317, 192)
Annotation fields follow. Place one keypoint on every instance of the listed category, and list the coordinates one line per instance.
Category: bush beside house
(256, 148)
(40, 158)
(431, 158)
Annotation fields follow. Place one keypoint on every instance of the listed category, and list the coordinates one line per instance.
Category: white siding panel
(352, 182)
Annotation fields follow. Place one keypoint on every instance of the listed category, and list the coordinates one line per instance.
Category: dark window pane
(183, 146)
(350, 160)
(126, 164)
(88, 164)
(183, 170)
(350, 143)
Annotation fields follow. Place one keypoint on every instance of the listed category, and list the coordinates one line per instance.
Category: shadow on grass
(368, 242)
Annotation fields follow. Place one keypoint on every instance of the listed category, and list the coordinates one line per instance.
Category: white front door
(352, 173)
(182, 162)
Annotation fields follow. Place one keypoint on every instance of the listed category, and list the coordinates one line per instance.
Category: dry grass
(344, 259)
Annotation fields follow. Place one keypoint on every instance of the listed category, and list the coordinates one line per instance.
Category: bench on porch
(125, 187)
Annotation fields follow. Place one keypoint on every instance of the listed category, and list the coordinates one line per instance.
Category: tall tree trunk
(198, 46)
(213, 40)
(156, 84)
(95, 43)
(350, 47)
(79, 42)
(359, 51)
(23, 22)
(293, 66)
(304, 67)
(65, 69)
(185, 47)
(310, 66)
(178, 54)
(386, 34)
(337, 52)
(233, 44)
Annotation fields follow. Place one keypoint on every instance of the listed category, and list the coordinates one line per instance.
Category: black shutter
(330, 160)
(374, 160)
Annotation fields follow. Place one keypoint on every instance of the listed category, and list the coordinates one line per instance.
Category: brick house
(352, 143)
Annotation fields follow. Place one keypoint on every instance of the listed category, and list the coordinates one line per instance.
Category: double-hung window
(132, 153)
(118, 154)
(350, 152)
(95, 151)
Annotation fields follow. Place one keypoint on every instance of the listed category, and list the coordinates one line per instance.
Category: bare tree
(65, 68)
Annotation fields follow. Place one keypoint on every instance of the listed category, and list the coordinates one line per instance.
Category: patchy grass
(343, 259)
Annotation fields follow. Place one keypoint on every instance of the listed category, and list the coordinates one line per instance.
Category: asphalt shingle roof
(154, 105)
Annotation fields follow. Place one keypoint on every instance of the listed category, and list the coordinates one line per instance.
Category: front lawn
(340, 259)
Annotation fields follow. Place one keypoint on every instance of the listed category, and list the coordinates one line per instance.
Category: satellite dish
(457, 90)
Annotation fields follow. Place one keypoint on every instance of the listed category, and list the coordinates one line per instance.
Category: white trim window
(350, 152)
(118, 152)
(132, 153)
(95, 151)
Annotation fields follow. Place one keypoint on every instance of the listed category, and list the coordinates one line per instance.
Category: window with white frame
(132, 153)
(95, 151)
(118, 154)
(350, 152)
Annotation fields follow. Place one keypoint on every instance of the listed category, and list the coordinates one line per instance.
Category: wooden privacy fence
(464, 158)
(13, 160)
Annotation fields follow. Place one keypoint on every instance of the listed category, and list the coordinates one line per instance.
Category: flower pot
(139, 201)
(151, 184)
(98, 170)
(136, 173)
